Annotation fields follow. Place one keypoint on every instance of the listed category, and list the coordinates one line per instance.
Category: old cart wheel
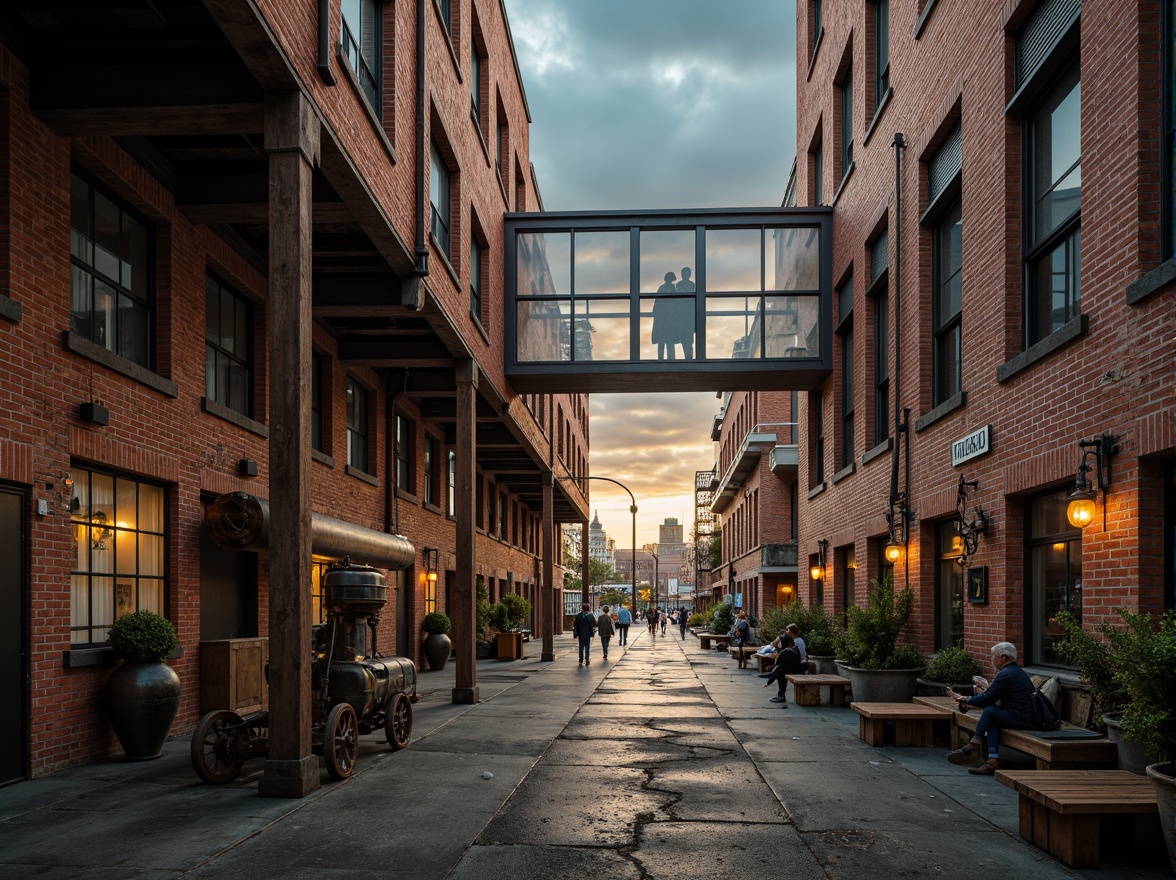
(398, 721)
(213, 751)
(341, 741)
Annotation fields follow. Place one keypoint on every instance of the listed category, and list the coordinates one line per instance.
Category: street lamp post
(656, 570)
(633, 511)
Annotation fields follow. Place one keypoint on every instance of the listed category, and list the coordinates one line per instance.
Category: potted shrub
(881, 667)
(484, 646)
(437, 645)
(822, 637)
(950, 667)
(722, 618)
(143, 692)
(507, 616)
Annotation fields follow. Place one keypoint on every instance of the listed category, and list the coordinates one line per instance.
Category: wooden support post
(547, 589)
(292, 140)
(465, 689)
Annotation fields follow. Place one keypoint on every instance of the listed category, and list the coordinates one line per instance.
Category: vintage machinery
(355, 690)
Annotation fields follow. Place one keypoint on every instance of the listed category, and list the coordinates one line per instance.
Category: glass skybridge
(669, 300)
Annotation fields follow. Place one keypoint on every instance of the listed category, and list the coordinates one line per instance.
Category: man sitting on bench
(788, 662)
(1013, 689)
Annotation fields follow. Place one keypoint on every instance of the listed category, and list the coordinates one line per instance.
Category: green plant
(1092, 655)
(482, 608)
(818, 627)
(775, 619)
(436, 622)
(872, 633)
(698, 618)
(1144, 659)
(143, 635)
(951, 666)
(611, 598)
(722, 618)
(515, 609)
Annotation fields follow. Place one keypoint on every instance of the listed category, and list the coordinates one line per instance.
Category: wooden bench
(1060, 810)
(914, 725)
(806, 689)
(719, 640)
(1087, 753)
(743, 653)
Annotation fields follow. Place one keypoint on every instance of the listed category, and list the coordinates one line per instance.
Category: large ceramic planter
(1163, 777)
(924, 688)
(1132, 757)
(825, 665)
(881, 685)
(437, 647)
(142, 699)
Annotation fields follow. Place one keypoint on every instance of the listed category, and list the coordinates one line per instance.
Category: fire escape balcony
(693, 300)
(745, 460)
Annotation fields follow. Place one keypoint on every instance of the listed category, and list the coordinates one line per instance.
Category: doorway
(13, 636)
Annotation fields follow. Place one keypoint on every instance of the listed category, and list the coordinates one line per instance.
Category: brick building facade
(258, 252)
(1000, 177)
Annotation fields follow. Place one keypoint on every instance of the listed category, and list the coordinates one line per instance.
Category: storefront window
(1053, 555)
(119, 547)
(949, 586)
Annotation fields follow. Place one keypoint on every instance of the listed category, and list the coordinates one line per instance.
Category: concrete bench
(1060, 810)
(1052, 753)
(914, 724)
(806, 689)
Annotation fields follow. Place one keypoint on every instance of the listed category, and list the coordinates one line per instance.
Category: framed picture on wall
(978, 584)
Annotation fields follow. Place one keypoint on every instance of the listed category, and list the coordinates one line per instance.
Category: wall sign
(978, 585)
(974, 445)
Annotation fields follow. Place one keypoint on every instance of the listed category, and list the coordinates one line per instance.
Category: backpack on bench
(1045, 715)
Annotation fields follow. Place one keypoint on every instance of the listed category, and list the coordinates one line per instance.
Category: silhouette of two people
(673, 317)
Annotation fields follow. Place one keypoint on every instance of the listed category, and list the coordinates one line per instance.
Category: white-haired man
(1014, 691)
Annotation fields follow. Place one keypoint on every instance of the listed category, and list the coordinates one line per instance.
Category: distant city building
(601, 547)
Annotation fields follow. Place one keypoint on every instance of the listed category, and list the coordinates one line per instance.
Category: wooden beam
(393, 351)
(121, 121)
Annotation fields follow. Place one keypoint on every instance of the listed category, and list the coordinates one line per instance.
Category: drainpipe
(900, 416)
(422, 250)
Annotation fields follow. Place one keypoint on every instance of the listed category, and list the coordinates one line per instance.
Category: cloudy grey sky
(643, 104)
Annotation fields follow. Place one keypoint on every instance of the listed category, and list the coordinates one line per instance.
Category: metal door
(13, 636)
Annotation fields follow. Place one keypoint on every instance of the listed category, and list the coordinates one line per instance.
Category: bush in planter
(951, 666)
(1096, 664)
(142, 636)
(698, 618)
(872, 633)
(722, 618)
(142, 694)
(515, 609)
(437, 623)
(1144, 658)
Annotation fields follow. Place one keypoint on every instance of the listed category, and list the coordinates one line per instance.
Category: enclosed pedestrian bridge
(699, 300)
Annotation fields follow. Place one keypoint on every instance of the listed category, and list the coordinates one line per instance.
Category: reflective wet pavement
(664, 762)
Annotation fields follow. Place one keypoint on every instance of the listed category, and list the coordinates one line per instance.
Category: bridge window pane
(663, 251)
(790, 326)
(544, 263)
(732, 327)
(545, 330)
(602, 262)
(733, 259)
(667, 328)
(602, 330)
(796, 257)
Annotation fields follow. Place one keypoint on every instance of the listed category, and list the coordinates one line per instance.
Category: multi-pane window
(818, 405)
(360, 38)
(475, 278)
(431, 487)
(1053, 253)
(404, 438)
(818, 175)
(118, 563)
(945, 357)
(476, 63)
(949, 587)
(1054, 576)
(110, 250)
(357, 426)
(847, 122)
(881, 367)
(228, 347)
(316, 401)
(439, 215)
(451, 508)
(881, 51)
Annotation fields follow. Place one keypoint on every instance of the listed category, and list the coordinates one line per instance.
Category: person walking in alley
(683, 616)
(584, 628)
(624, 621)
(604, 625)
(1013, 689)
